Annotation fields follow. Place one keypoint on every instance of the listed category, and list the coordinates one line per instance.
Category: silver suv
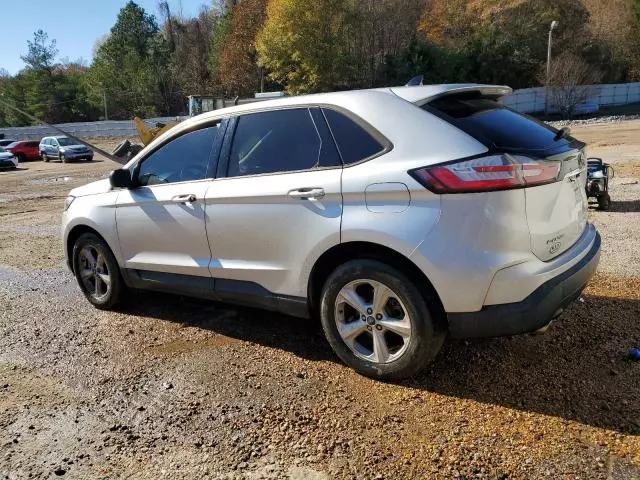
(64, 148)
(397, 216)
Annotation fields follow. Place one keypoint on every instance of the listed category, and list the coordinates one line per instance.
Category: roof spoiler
(497, 91)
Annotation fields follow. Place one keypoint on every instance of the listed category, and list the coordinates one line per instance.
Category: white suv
(396, 216)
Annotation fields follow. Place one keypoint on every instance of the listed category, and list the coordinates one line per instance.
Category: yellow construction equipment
(147, 134)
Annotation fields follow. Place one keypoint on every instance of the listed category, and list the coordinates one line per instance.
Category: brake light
(484, 174)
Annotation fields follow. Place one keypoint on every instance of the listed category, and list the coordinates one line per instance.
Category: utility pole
(104, 101)
(553, 26)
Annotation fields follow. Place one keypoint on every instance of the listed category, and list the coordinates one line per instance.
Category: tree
(131, 65)
(571, 81)
(42, 53)
(189, 62)
(218, 38)
(238, 72)
(303, 44)
(436, 63)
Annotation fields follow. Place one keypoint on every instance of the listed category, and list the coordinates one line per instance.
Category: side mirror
(121, 178)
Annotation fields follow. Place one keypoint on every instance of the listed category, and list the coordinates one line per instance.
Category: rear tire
(97, 272)
(604, 201)
(392, 340)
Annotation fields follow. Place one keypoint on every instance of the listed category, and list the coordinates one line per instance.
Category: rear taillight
(484, 174)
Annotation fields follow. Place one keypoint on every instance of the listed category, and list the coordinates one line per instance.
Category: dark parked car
(6, 141)
(25, 150)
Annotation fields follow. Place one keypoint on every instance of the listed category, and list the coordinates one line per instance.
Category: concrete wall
(531, 100)
(106, 128)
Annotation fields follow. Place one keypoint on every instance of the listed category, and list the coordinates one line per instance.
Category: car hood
(5, 155)
(76, 147)
(93, 188)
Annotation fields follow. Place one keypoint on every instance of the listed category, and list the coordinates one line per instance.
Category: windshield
(12, 145)
(2, 149)
(66, 141)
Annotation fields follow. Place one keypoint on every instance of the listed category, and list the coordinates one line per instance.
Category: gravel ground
(171, 387)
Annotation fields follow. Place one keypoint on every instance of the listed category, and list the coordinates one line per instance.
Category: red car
(25, 150)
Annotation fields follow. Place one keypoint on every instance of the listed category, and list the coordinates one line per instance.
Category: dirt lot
(171, 387)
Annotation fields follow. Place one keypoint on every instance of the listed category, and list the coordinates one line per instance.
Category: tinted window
(278, 141)
(354, 142)
(495, 125)
(185, 158)
(31, 144)
(66, 141)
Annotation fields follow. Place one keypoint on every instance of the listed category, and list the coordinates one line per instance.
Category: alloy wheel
(372, 321)
(94, 272)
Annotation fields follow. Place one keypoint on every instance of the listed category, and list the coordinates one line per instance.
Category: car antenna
(42, 122)
(415, 81)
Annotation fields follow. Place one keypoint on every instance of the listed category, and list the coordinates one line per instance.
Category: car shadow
(577, 371)
(301, 337)
(625, 206)
(10, 170)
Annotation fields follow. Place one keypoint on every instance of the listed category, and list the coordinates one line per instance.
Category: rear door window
(354, 142)
(497, 126)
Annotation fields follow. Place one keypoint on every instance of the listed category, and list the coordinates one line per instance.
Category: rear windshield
(497, 126)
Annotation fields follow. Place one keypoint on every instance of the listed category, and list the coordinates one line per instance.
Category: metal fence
(531, 100)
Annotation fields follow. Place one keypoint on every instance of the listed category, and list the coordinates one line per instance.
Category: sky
(74, 24)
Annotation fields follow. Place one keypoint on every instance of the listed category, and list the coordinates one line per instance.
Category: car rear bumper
(535, 311)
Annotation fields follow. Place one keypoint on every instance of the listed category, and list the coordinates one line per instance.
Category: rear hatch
(556, 211)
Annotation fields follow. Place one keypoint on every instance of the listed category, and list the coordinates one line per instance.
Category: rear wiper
(562, 133)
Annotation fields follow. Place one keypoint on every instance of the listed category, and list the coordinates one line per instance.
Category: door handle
(307, 193)
(185, 198)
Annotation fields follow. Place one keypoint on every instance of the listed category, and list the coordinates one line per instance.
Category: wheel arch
(344, 252)
(74, 234)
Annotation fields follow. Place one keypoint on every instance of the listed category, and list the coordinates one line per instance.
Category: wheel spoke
(351, 297)
(400, 327)
(100, 261)
(86, 273)
(381, 295)
(96, 284)
(106, 279)
(380, 350)
(88, 255)
(350, 331)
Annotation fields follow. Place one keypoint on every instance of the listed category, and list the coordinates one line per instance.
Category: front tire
(377, 321)
(44, 157)
(97, 272)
